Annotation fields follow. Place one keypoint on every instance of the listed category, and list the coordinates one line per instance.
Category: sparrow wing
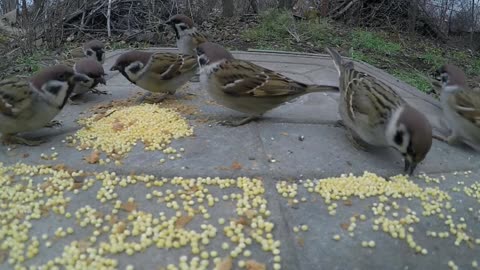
(467, 104)
(367, 96)
(198, 38)
(240, 78)
(15, 95)
(169, 65)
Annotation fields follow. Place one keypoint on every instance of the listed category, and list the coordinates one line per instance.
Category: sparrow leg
(453, 139)
(239, 123)
(99, 92)
(54, 123)
(143, 97)
(72, 102)
(11, 139)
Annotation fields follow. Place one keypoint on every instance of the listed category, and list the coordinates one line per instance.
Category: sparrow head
(131, 64)
(180, 23)
(95, 49)
(56, 83)
(452, 77)
(411, 134)
(92, 69)
(209, 53)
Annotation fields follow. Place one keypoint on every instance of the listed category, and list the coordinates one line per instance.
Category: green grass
(277, 28)
(374, 43)
(414, 78)
(30, 63)
(412, 60)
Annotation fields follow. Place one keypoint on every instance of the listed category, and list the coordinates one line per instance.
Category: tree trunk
(412, 14)
(286, 4)
(254, 6)
(324, 8)
(472, 25)
(228, 8)
(24, 9)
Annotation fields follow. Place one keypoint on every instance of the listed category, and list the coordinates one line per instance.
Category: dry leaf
(225, 264)
(254, 265)
(348, 203)
(93, 158)
(113, 220)
(345, 226)
(244, 221)
(236, 166)
(117, 126)
(182, 221)
(128, 206)
(121, 227)
(301, 242)
(284, 133)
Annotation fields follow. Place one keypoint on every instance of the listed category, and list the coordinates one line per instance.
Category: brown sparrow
(94, 49)
(92, 70)
(156, 72)
(246, 87)
(27, 105)
(376, 115)
(461, 107)
(187, 35)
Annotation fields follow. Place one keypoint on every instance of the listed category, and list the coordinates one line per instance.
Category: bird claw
(99, 92)
(54, 123)
(238, 123)
(19, 140)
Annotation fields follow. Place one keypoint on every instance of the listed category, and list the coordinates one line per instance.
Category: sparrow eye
(202, 61)
(183, 27)
(444, 77)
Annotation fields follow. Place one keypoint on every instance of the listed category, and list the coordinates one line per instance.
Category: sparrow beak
(409, 167)
(114, 68)
(101, 80)
(168, 22)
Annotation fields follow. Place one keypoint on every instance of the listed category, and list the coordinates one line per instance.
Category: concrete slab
(296, 141)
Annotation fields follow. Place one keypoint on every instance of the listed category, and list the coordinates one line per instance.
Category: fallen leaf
(117, 126)
(254, 265)
(284, 133)
(182, 221)
(345, 226)
(236, 166)
(225, 264)
(242, 220)
(348, 203)
(121, 227)
(113, 220)
(301, 242)
(93, 158)
(128, 206)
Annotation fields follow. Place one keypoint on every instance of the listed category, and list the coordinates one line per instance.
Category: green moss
(374, 43)
(414, 78)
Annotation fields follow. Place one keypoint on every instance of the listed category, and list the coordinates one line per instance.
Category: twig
(109, 11)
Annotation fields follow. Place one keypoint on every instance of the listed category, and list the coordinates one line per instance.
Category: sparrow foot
(99, 92)
(142, 98)
(54, 123)
(239, 123)
(19, 140)
(339, 123)
(73, 102)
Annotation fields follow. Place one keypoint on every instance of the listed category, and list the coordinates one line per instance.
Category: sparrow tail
(337, 58)
(322, 88)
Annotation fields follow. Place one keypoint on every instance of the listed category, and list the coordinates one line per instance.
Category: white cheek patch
(134, 70)
(393, 128)
(56, 97)
(450, 88)
(210, 69)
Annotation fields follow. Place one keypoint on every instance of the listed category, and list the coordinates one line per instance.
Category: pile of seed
(118, 130)
(94, 233)
(388, 214)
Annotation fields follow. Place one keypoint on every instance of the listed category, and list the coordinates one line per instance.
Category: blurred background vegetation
(409, 39)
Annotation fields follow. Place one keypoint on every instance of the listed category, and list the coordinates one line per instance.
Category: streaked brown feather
(467, 104)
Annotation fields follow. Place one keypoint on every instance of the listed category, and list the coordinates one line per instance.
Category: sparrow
(156, 72)
(376, 115)
(187, 35)
(94, 49)
(245, 87)
(30, 104)
(91, 69)
(461, 107)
